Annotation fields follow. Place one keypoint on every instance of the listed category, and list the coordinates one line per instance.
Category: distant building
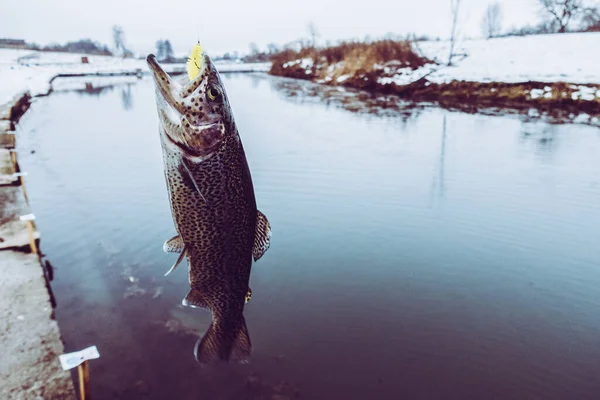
(12, 43)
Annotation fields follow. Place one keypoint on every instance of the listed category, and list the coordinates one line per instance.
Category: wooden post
(23, 187)
(31, 236)
(83, 371)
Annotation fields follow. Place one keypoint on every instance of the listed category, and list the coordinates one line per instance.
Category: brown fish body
(214, 210)
(217, 225)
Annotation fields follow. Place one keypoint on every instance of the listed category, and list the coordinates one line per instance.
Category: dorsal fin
(262, 236)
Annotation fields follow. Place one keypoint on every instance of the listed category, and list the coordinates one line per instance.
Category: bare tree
(455, 12)
(160, 49)
(119, 39)
(127, 98)
(169, 54)
(590, 20)
(562, 11)
(272, 48)
(492, 20)
(253, 49)
(313, 33)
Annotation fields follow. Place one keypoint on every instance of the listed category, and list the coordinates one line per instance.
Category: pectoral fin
(195, 299)
(262, 236)
(179, 260)
(174, 245)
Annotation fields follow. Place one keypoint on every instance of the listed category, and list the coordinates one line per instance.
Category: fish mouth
(195, 137)
(169, 89)
(174, 93)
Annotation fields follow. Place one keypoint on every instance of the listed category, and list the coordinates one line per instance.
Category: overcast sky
(225, 25)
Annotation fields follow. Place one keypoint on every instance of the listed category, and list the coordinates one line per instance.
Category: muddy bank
(560, 100)
(29, 335)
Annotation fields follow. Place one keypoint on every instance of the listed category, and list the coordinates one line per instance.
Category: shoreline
(510, 73)
(34, 72)
(557, 100)
(29, 332)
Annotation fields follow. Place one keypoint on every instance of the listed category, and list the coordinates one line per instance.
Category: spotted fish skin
(212, 203)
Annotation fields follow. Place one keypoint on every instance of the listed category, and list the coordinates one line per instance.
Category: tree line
(86, 46)
(557, 16)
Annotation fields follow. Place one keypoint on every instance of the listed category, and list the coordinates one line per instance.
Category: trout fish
(219, 229)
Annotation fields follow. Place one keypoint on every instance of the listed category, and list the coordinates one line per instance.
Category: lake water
(417, 253)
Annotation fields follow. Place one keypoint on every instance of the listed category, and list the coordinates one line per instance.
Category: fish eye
(213, 92)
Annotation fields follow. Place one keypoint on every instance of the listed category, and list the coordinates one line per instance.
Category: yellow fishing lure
(194, 62)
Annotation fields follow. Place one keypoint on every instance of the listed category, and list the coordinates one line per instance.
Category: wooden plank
(7, 141)
(7, 169)
(29, 334)
(14, 109)
(30, 339)
(13, 232)
(5, 126)
(5, 111)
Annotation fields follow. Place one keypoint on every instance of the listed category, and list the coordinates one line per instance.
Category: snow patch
(520, 59)
(536, 93)
(304, 63)
(582, 119)
(584, 93)
(406, 76)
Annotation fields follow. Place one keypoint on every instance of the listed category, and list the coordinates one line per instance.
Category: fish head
(194, 115)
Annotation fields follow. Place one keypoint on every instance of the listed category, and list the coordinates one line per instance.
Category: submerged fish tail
(224, 343)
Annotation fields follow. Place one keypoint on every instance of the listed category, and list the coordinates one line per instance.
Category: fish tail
(223, 344)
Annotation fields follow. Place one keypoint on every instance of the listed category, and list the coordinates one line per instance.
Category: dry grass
(355, 58)
(364, 55)
(510, 95)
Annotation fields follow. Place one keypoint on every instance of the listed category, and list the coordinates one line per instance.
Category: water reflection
(437, 186)
(97, 86)
(544, 137)
(97, 89)
(355, 101)
(92, 90)
(369, 292)
(126, 97)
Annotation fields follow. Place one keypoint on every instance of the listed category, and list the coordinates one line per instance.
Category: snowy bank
(559, 71)
(568, 57)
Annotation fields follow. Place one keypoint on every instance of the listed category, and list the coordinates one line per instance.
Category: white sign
(28, 217)
(71, 360)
